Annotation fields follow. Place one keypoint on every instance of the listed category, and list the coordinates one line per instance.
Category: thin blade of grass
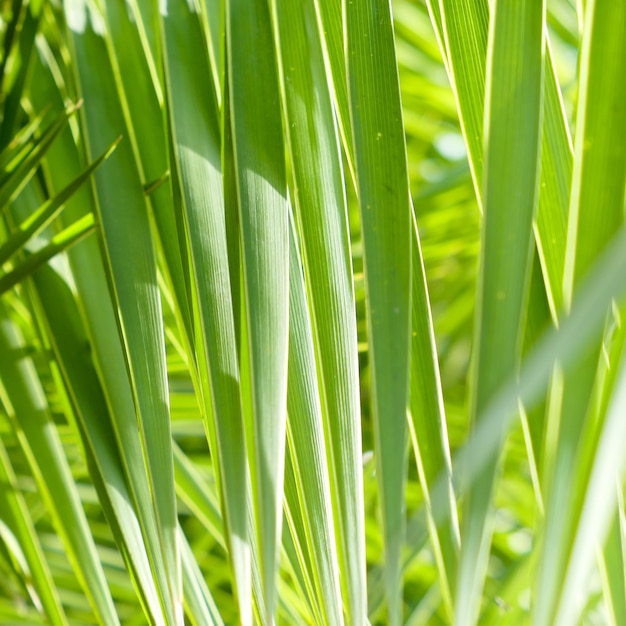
(194, 492)
(311, 502)
(513, 103)
(64, 240)
(606, 474)
(231, 209)
(25, 402)
(131, 267)
(428, 436)
(199, 603)
(384, 201)
(462, 31)
(464, 39)
(197, 152)
(21, 143)
(48, 211)
(321, 215)
(332, 33)
(259, 167)
(67, 335)
(16, 516)
(99, 319)
(428, 428)
(599, 180)
(600, 167)
(295, 551)
(16, 178)
(202, 500)
(143, 93)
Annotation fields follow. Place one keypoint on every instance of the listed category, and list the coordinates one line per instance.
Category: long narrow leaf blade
(262, 198)
(321, 214)
(48, 211)
(17, 518)
(131, 265)
(99, 318)
(384, 200)
(511, 176)
(312, 500)
(463, 32)
(599, 180)
(428, 427)
(24, 399)
(197, 152)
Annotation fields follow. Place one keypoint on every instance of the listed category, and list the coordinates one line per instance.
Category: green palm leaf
(382, 185)
(259, 170)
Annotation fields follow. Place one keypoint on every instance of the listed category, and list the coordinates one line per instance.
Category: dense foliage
(310, 312)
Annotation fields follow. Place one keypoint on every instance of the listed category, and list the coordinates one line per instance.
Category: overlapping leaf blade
(197, 152)
(511, 182)
(259, 168)
(429, 429)
(98, 315)
(122, 212)
(62, 318)
(311, 502)
(321, 214)
(23, 398)
(464, 35)
(598, 182)
(18, 521)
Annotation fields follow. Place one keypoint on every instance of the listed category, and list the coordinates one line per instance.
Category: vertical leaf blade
(23, 396)
(310, 500)
(384, 200)
(131, 267)
(513, 104)
(321, 214)
(197, 152)
(599, 180)
(259, 167)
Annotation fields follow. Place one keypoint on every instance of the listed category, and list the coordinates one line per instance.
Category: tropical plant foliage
(310, 312)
